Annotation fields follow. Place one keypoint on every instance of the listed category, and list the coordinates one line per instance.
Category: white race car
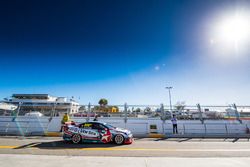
(96, 132)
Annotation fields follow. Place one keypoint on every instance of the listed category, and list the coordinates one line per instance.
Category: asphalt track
(144, 152)
(142, 147)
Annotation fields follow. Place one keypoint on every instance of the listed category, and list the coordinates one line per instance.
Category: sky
(125, 51)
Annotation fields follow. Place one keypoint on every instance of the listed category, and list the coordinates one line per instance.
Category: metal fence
(186, 112)
(182, 112)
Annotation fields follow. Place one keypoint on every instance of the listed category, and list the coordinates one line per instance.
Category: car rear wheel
(76, 138)
(119, 139)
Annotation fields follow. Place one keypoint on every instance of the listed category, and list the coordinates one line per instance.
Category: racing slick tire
(76, 139)
(119, 139)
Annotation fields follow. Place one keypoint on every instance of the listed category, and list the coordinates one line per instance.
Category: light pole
(169, 93)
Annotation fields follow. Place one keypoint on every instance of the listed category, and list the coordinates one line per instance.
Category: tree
(138, 110)
(147, 110)
(103, 102)
(180, 106)
(82, 109)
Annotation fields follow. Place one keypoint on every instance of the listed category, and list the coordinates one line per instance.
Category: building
(44, 103)
(243, 112)
(7, 109)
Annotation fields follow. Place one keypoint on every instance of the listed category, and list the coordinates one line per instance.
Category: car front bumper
(129, 140)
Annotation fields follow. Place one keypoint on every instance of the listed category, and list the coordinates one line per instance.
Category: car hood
(121, 130)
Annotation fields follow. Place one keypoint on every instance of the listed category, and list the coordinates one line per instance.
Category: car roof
(95, 122)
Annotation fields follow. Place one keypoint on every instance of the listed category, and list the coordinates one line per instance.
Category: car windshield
(109, 126)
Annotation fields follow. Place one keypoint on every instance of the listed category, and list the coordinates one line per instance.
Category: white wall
(139, 127)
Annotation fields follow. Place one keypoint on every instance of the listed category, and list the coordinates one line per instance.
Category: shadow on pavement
(65, 145)
(235, 140)
(195, 139)
(174, 139)
(183, 140)
(161, 139)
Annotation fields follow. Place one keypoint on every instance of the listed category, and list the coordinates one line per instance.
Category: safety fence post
(163, 118)
(88, 113)
(226, 129)
(125, 114)
(200, 113)
(247, 131)
(237, 114)
(205, 127)
(27, 127)
(7, 127)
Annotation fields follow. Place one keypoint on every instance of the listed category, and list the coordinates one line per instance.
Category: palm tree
(102, 102)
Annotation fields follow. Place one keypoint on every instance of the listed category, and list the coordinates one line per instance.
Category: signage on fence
(153, 128)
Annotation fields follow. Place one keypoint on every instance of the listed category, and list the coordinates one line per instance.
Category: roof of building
(31, 95)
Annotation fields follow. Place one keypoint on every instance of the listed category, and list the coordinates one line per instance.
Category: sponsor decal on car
(106, 137)
(83, 132)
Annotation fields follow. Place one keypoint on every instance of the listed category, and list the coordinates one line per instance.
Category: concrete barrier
(28, 125)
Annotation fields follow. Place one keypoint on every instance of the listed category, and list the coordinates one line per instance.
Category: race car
(96, 132)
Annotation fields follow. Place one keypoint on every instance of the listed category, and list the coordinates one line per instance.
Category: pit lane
(142, 147)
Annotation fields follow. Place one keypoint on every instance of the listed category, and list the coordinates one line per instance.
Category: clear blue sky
(125, 51)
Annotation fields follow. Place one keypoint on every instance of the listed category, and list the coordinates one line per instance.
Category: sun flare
(234, 29)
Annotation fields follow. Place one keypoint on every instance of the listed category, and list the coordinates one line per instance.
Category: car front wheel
(119, 139)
